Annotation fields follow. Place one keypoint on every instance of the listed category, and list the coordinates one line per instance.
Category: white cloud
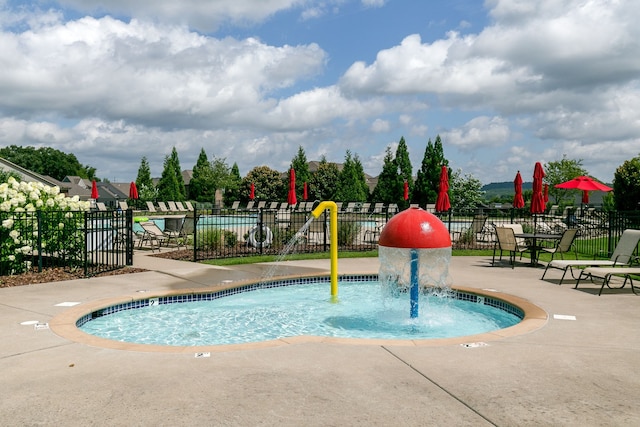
(154, 75)
(479, 132)
(380, 125)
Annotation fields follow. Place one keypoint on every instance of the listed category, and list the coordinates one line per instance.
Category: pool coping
(64, 324)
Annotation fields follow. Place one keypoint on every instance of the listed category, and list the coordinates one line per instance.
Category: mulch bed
(57, 274)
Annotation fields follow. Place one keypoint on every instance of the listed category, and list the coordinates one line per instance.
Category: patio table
(534, 238)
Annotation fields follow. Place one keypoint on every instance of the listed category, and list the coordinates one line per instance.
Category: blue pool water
(364, 310)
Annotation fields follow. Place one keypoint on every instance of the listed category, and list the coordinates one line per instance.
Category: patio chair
(506, 241)
(273, 206)
(621, 256)
(162, 207)
(565, 244)
(123, 206)
(172, 206)
(150, 207)
(250, 205)
(181, 207)
(101, 206)
(188, 205)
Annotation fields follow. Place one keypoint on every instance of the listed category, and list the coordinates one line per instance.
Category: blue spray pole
(415, 291)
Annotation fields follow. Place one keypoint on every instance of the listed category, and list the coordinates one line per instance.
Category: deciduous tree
(626, 186)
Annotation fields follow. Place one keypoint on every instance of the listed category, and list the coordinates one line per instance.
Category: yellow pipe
(333, 250)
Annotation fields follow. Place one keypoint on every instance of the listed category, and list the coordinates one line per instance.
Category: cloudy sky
(505, 83)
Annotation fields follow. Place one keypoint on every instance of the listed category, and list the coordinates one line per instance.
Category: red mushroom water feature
(419, 239)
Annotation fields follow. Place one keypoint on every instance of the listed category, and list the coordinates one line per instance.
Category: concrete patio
(580, 372)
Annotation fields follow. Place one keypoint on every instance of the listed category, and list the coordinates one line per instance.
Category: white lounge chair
(621, 257)
(605, 273)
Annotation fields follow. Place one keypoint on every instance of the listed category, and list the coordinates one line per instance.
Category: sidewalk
(580, 372)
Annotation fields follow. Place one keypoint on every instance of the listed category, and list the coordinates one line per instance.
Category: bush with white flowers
(36, 216)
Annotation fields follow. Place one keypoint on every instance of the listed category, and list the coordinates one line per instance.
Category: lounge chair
(162, 207)
(605, 273)
(273, 206)
(172, 206)
(621, 257)
(101, 206)
(262, 204)
(150, 207)
(506, 241)
(151, 234)
(250, 205)
(188, 205)
(123, 206)
(180, 207)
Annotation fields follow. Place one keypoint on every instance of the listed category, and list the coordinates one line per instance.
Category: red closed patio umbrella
(305, 192)
(546, 194)
(537, 201)
(442, 203)
(406, 190)
(291, 198)
(518, 200)
(133, 191)
(252, 191)
(94, 190)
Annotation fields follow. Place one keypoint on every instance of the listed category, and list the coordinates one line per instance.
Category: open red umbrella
(305, 192)
(442, 203)
(537, 201)
(518, 200)
(584, 183)
(252, 191)
(291, 199)
(406, 190)
(94, 190)
(133, 191)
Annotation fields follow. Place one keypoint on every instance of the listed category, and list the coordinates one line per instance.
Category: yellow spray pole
(333, 231)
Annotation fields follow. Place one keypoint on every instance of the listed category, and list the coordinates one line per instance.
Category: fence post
(85, 250)
(195, 232)
(39, 239)
(129, 234)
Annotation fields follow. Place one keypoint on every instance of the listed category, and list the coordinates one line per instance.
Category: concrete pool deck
(580, 372)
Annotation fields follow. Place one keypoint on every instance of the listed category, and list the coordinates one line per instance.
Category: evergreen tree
(359, 172)
(301, 166)
(144, 183)
(405, 171)
(389, 188)
(428, 177)
(182, 191)
(232, 190)
(201, 186)
(171, 184)
(322, 185)
(351, 181)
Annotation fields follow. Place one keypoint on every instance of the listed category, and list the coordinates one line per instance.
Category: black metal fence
(100, 241)
(238, 233)
(229, 233)
(91, 242)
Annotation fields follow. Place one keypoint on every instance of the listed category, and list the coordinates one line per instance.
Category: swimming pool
(296, 307)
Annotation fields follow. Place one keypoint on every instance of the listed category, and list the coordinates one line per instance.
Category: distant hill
(500, 189)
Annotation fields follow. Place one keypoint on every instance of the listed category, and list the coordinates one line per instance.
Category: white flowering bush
(35, 217)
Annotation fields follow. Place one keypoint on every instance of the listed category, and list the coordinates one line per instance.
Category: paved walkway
(581, 372)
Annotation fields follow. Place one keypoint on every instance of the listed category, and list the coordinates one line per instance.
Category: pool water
(364, 310)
